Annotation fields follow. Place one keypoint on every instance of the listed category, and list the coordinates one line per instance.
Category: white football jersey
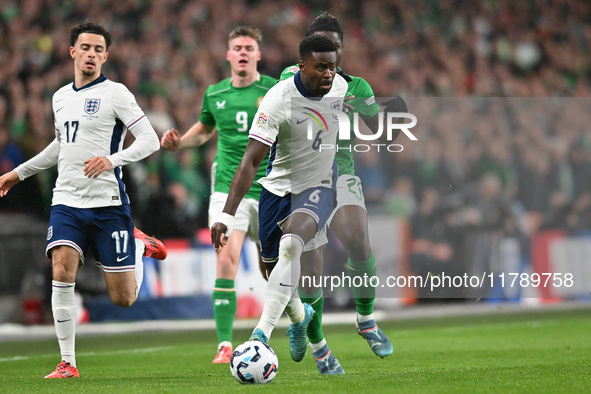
(92, 121)
(295, 162)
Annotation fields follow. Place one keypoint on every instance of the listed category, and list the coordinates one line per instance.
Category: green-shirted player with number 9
(229, 108)
(349, 219)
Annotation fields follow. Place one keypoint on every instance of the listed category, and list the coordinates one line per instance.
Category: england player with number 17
(90, 208)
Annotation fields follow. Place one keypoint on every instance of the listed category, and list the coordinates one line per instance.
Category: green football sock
(224, 308)
(364, 296)
(316, 300)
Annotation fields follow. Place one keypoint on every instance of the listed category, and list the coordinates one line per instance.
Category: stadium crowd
(520, 165)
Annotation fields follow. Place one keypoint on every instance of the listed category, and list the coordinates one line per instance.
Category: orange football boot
(154, 247)
(64, 370)
(224, 355)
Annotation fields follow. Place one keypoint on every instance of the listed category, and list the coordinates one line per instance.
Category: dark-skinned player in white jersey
(349, 220)
(298, 191)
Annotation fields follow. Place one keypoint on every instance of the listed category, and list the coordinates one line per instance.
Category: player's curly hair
(316, 43)
(246, 31)
(325, 22)
(88, 26)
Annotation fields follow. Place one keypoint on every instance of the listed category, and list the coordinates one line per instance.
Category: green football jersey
(231, 110)
(364, 104)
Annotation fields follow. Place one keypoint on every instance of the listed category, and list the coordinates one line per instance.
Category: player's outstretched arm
(7, 181)
(245, 175)
(197, 135)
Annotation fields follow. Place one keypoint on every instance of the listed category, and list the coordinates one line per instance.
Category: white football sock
(362, 318)
(283, 282)
(138, 273)
(295, 309)
(317, 346)
(225, 343)
(65, 314)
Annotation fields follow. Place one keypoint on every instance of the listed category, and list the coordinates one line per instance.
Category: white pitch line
(15, 332)
(90, 354)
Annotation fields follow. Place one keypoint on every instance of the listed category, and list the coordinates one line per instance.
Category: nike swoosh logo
(283, 284)
(63, 321)
(119, 259)
(309, 205)
(59, 110)
(301, 121)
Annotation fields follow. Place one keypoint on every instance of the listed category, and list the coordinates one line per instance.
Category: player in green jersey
(229, 108)
(349, 221)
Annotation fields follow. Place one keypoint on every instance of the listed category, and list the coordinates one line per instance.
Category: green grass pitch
(533, 352)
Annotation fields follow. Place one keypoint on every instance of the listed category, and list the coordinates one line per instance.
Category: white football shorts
(349, 192)
(246, 218)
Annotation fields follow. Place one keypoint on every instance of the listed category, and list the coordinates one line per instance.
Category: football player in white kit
(298, 191)
(90, 208)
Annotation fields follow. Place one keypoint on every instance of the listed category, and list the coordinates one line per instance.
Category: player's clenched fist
(221, 229)
(171, 139)
(218, 235)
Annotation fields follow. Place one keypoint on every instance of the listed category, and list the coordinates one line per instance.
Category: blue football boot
(375, 337)
(327, 363)
(298, 339)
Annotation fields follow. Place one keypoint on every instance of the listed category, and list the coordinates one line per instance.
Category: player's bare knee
(123, 300)
(356, 246)
(60, 273)
(227, 267)
(64, 264)
(226, 262)
(123, 296)
(301, 225)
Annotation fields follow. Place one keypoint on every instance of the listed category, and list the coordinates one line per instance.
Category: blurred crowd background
(522, 166)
